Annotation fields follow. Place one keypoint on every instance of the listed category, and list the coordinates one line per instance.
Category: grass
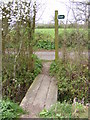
(51, 31)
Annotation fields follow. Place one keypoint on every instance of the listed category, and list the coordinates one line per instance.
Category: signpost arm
(56, 35)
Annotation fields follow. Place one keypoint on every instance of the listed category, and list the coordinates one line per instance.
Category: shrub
(74, 38)
(45, 44)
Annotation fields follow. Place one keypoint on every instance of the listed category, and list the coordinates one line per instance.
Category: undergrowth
(10, 110)
(15, 88)
(72, 80)
(65, 110)
(45, 44)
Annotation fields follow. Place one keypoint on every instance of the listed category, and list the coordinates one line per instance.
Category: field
(51, 31)
(71, 37)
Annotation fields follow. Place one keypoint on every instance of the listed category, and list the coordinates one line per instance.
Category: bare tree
(80, 11)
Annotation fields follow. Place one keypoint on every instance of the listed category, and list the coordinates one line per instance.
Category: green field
(51, 31)
(73, 37)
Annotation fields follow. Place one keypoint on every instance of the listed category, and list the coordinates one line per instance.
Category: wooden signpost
(56, 36)
(56, 33)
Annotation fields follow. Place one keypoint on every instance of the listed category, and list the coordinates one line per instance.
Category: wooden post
(56, 35)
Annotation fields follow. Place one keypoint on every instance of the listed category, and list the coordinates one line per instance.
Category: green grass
(51, 31)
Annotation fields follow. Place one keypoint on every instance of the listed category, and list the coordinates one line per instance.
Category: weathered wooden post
(56, 35)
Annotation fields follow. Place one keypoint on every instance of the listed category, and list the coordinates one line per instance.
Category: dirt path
(42, 93)
(50, 55)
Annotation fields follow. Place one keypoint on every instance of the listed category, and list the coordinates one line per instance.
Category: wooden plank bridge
(41, 94)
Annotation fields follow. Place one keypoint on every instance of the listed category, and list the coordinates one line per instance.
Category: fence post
(56, 35)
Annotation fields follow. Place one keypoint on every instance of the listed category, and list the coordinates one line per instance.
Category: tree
(19, 15)
(80, 11)
(5, 9)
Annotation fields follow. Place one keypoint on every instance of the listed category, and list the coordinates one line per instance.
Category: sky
(47, 11)
(50, 7)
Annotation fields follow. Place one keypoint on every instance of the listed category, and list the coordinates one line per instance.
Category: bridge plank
(52, 94)
(42, 93)
(32, 91)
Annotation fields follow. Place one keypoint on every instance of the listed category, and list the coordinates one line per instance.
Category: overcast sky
(47, 11)
(52, 5)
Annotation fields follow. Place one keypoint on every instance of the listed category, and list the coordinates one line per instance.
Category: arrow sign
(61, 16)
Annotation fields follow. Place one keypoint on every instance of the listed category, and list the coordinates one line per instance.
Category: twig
(16, 59)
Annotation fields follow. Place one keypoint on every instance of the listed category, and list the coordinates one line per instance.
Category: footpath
(41, 94)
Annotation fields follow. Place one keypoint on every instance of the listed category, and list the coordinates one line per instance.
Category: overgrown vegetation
(71, 72)
(72, 79)
(65, 110)
(15, 88)
(10, 110)
(45, 44)
(44, 39)
(19, 65)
